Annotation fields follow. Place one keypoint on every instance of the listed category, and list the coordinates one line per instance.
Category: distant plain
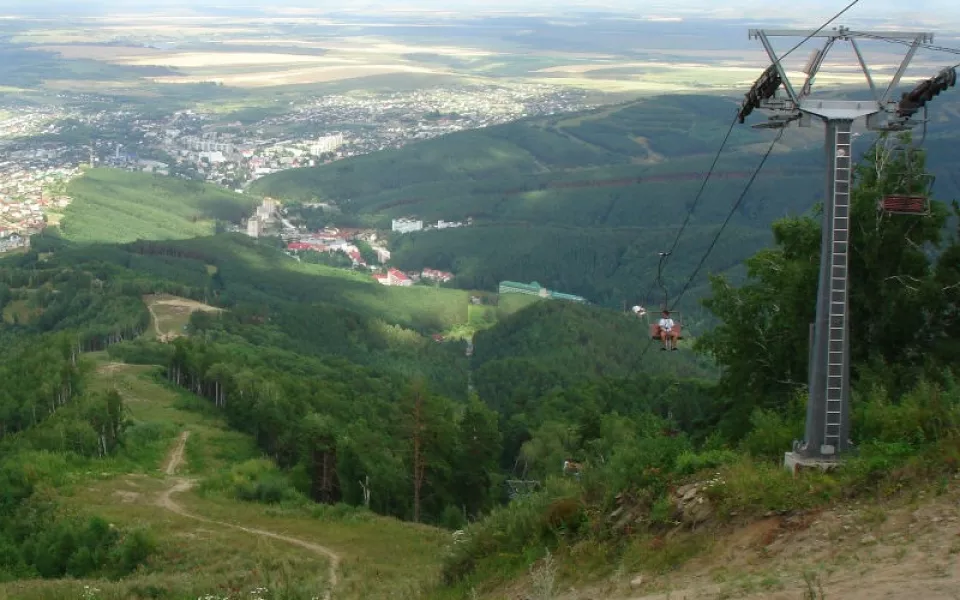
(615, 58)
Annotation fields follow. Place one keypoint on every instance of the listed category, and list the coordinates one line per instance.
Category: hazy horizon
(935, 12)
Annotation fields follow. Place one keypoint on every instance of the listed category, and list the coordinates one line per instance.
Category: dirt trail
(156, 321)
(176, 456)
(165, 500)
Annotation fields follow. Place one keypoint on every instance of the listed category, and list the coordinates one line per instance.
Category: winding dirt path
(165, 500)
(176, 456)
(156, 321)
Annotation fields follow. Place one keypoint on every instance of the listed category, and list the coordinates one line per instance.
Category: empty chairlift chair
(913, 200)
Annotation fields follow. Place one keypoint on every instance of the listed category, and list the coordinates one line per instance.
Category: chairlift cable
(726, 137)
(726, 221)
(932, 47)
(723, 144)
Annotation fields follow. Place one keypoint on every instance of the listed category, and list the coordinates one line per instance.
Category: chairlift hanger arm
(903, 68)
(866, 71)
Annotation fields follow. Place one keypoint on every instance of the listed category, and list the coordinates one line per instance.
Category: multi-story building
(325, 144)
(254, 227)
(406, 225)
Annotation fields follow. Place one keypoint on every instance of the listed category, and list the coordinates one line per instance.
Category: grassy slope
(119, 206)
(201, 558)
(242, 261)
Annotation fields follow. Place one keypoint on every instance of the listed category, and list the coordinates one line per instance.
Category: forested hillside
(583, 203)
(647, 481)
(323, 396)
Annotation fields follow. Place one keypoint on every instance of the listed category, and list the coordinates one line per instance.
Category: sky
(933, 12)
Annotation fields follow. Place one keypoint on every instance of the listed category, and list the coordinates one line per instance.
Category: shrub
(133, 551)
(521, 526)
(256, 480)
(690, 462)
(925, 414)
(452, 517)
(754, 487)
(771, 434)
(564, 514)
(342, 513)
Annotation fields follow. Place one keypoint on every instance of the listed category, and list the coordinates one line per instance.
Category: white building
(253, 227)
(325, 144)
(214, 157)
(207, 145)
(407, 225)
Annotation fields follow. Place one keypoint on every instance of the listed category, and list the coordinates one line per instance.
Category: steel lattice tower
(828, 407)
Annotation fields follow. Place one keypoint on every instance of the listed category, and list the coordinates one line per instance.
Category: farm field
(246, 55)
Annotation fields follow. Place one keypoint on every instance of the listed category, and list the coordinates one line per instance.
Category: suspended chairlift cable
(713, 165)
(733, 210)
(723, 145)
(726, 221)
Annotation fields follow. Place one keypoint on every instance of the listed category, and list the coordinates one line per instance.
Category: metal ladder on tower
(839, 245)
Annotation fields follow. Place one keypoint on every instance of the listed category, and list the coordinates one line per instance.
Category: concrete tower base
(795, 463)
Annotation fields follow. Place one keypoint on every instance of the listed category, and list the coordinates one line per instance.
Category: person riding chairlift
(668, 332)
(639, 311)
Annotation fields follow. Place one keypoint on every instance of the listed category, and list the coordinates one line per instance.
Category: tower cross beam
(844, 33)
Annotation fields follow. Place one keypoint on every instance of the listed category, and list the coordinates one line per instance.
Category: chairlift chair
(677, 325)
(675, 315)
(911, 203)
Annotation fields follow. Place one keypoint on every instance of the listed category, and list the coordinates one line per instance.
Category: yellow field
(300, 76)
(188, 60)
(366, 45)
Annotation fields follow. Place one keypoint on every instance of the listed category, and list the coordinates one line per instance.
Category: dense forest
(48, 415)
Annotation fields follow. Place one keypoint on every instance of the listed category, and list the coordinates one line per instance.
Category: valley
(304, 303)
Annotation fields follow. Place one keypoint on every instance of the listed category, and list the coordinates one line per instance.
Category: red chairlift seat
(677, 326)
(905, 205)
(915, 200)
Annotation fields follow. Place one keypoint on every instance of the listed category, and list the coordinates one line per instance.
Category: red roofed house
(395, 277)
(356, 258)
(308, 246)
(383, 278)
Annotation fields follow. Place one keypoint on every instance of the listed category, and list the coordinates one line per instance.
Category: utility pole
(828, 406)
